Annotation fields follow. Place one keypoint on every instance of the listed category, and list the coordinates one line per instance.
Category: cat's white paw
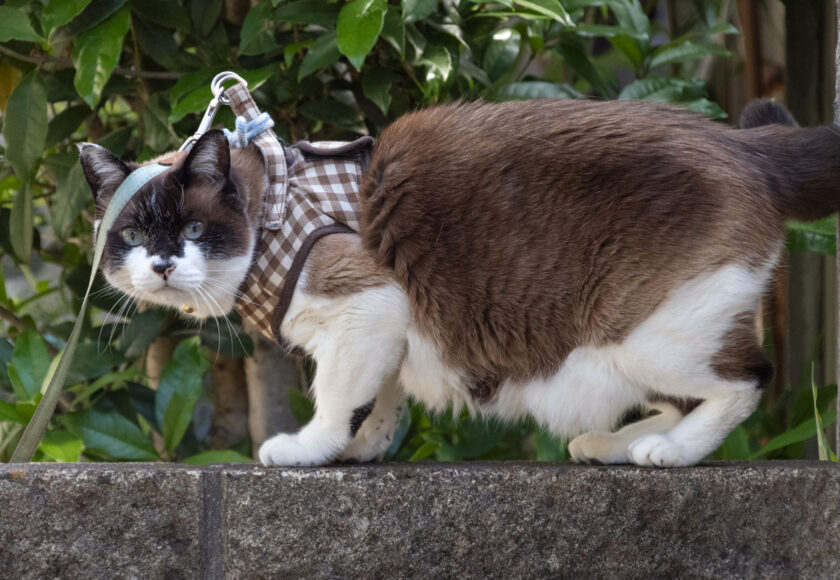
(288, 450)
(598, 448)
(657, 450)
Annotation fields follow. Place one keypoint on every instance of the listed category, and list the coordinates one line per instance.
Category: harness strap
(243, 105)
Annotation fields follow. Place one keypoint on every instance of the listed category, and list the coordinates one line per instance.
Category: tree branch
(62, 62)
(10, 317)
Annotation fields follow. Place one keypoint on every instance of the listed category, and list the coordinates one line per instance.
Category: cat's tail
(800, 167)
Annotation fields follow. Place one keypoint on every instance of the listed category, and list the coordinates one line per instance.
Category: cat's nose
(163, 268)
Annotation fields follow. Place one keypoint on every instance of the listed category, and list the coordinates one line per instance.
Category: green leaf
(736, 447)
(815, 236)
(358, 28)
(323, 52)
(193, 81)
(823, 448)
(526, 90)
(577, 59)
(178, 391)
(20, 224)
(415, 10)
(204, 15)
(162, 12)
(115, 379)
(438, 58)
(393, 31)
(308, 12)
(14, 25)
(705, 107)
(9, 412)
(330, 112)
(376, 85)
(25, 125)
(157, 42)
(685, 51)
(59, 12)
(548, 447)
(723, 28)
(501, 52)
(257, 35)
(599, 30)
(96, 53)
(301, 406)
(221, 456)
(659, 88)
(111, 435)
(90, 362)
(61, 446)
(71, 197)
(96, 12)
(630, 14)
(198, 99)
(426, 450)
(550, 8)
(141, 331)
(801, 432)
(631, 48)
(28, 367)
(158, 132)
(65, 124)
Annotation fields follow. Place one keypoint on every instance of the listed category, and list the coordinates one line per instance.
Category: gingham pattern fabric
(310, 185)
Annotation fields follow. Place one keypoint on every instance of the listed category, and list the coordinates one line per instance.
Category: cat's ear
(209, 160)
(103, 170)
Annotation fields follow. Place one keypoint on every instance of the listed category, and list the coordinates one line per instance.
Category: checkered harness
(313, 191)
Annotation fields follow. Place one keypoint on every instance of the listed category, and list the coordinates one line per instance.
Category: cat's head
(187, 237)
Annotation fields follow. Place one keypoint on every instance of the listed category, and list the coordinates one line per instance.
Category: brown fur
(741, 358)
(339, 266)
(523, 230)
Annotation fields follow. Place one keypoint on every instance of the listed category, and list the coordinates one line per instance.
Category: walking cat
(563, 260)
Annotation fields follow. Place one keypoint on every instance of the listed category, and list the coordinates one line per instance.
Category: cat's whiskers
(215, 319)
(228, 289)
(123, 304)
(231, 331)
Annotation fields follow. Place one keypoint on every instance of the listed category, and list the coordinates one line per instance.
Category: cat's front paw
(290, 450)
(658, 450)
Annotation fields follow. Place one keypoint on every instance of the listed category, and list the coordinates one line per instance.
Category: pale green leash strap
(57, 373)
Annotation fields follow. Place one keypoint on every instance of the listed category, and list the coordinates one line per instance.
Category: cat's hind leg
(701, 344)
(730, 384)
(376, 433)
(358, 342)
(601, 448)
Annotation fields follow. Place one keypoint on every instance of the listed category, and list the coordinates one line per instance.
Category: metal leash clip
(218, 90)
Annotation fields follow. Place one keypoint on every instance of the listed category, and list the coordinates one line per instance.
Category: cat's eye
(193, 230)
(132, 236)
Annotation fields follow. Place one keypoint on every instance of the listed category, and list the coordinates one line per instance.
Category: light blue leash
(54, 381)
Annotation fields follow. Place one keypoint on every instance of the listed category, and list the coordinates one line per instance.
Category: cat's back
(521, 230)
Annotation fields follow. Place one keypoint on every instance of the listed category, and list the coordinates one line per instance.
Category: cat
(566, 261)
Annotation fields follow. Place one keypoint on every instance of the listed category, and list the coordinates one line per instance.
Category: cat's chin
(196, 304)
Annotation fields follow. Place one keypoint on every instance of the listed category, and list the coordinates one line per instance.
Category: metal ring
(216, 86)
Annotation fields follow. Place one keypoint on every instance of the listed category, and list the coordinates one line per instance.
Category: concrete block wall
(489, 520)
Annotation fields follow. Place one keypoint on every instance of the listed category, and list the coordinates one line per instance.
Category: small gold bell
(188, 309)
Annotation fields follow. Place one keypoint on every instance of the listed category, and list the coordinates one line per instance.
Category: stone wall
(500, 520)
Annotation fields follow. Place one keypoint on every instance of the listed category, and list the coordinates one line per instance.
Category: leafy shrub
(131, 76)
